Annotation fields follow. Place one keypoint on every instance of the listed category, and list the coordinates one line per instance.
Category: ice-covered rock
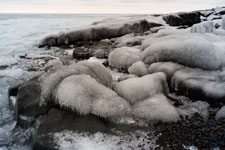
(125, 77)
(203, 27)
(195, 83)
(200, 84)
(129, 40)
(138, 89)
(102, 30)
(196, 50)
(50, 80)
(156, 108)
(169, 68)
(139, 69)
(124, 57)
(182, 19)
(85, 95)
(223, 22)
(199, 107)
(220, 113)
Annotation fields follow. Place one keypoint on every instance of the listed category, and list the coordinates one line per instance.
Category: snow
(138, 89)
(138, 69)
(156, 108)
(124, 57)
(68, 140)
(205, 51)
(220, 113)
(85, 95)
(203, 27)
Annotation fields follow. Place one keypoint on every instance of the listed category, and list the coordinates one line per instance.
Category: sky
(106, 6)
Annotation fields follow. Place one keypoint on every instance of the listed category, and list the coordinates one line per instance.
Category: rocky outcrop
(195, 83)
(183, 19)
(96, 32)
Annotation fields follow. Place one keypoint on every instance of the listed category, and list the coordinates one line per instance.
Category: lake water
(19, 34)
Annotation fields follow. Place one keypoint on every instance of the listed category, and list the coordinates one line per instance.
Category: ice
(138, 89)
(223, 22)
(138, 69)
(205, 51)
(124, 57)
(85, 95)
(220, 113)
(203, 27)
(156, 108)
(68, 140)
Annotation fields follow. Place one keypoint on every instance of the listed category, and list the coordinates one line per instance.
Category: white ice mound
(138, 89)
(169, 68)
(203, 27)
(156, 108)
(98, 31)
(49, 81)
(223, 22)
(139, 69)
(124, 57)
(85, 95)
(205, 51)
(129, 40)
(220, 113)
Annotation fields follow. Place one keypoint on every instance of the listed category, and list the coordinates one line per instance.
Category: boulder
(203, 27)
(50, 81)
(182, 19)
(27, 101)
(138, 89)
(124, 57)
(156, 108)
(103, 30)
(129, 40)
(169, 68)
(84, 95)
(139, 69)
(195, 83)
(82, 53)
(125, 77)
(205, 51)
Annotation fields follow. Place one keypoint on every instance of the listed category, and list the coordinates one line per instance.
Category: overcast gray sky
(106, 6)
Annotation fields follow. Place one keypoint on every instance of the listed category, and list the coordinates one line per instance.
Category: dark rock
(183, 19)
(82, 53)
(106, 63)
(28, 98)
(154, 24)
(3, 67)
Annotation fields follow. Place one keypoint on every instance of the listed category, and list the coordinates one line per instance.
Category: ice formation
(85, 95)
(196, 50)
(138, 69)
(223, 22)
(156, 108)
(124, 57)
(49, 81)
(169, 68)
(203, 27)
(98, 31)
(129, 40)
(138, 89)
(220, 113)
